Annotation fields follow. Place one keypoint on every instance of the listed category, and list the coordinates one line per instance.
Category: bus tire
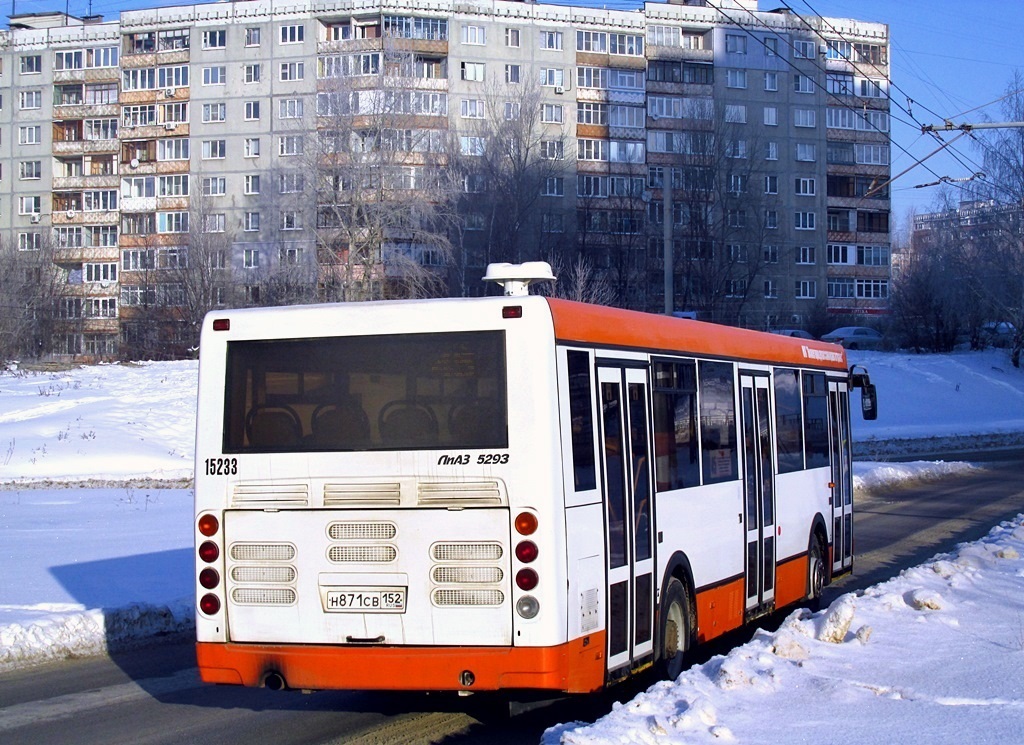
(816, 574)
(674, 627)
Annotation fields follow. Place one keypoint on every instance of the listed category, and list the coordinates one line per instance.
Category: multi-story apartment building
(173, 160)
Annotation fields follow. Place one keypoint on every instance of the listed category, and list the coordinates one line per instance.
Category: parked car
(798, 333)
(998, 334)
(855, 337)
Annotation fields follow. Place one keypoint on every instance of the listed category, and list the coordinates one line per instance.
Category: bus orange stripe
(791, 581)
(597, 324)
(575, 667)
(719, 609)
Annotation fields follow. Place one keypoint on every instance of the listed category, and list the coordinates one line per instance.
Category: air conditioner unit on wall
(559, 89)
(169, 92)
(169, 126)
(36, 218)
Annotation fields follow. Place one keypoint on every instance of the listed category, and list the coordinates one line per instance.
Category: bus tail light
(526, 579)
(526, 523)
(222, 324)
(209, 552)
(526, 551)
(209, 578)
(209, 525)
(527, 606)
(209, 604)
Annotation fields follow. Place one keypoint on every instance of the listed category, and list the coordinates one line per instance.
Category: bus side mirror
(869, 402)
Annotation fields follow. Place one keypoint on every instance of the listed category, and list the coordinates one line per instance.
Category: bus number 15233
(222, 466)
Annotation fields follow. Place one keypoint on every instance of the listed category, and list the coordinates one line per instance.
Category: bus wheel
(815, 575)
(675, 629)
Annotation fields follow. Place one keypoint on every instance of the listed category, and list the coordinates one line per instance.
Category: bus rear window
(422, 392)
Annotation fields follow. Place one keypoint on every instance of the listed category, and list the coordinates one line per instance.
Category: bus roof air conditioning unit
(517, 278)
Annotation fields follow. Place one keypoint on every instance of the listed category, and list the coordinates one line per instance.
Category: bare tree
(723, 216)
(383, 199)
(512, 153)
(30, 290)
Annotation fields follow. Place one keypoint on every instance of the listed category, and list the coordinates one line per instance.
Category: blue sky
(952, 58)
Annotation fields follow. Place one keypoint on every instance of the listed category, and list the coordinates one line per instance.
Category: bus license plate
(365, 600)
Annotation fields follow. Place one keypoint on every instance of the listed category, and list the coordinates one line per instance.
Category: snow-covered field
(84, 567)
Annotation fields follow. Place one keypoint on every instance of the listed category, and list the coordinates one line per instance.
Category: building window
(841, 288)
(803, 220)
(806, 151)
(512, 37)
(32, 135)
(554, 186)
(803, 49)
(771, 46)
(291, 71)
(293, 34)
(251, 147)
(736, 113)
(251, 184)
(513, 109)
(735, 44)
(290, 108)
(289, 145)
(291, 220)
(473, 71)
(172, 222)
(771, 254)
(476, 35)
(30, 241)
(873, 255)
(805, 255)
(251, 222)
(771, 151)
(31, 64)
(251, 258)
(805, 289)
(214, 75)
(30, 205)
(873, 289)
(214, 149)
(805, 187)
(472, 108)
(252, 37)
(214, 186)
(552, 113)
(551, 40)
(771, 219)
(513, 74)
(252, 73)
(771, 288)
(803, 84)
(30, 99)
(216, 39)
(771, 116)
(215, 112)
(252, 111)
(552, 77)
(735, 78)
(771, 184)
(30, 169)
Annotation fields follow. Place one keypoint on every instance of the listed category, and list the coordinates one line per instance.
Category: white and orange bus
(511, 492)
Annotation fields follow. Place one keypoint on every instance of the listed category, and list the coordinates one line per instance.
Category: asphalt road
(152, 694)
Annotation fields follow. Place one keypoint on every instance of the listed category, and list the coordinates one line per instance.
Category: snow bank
(866, 670)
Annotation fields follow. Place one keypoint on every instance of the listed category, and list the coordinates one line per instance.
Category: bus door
(626, 459)
(842, 476)
(758, 490)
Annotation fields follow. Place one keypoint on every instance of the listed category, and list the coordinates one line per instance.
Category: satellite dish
(134, 163)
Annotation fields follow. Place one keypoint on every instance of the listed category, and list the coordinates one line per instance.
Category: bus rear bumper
(575, 667)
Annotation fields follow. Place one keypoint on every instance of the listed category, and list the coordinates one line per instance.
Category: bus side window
(718, 422)
(581, 397)
(816, 419)
(789, 426)
(677, 461)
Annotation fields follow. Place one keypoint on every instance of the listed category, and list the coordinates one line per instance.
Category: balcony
(80, 147)
(108, 181)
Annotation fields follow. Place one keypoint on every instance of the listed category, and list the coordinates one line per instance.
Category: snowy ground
(84, 567)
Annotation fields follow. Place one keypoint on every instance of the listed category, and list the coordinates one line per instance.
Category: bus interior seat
(470, 422)
(407, 423)
(342, 424)
(273, 427)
